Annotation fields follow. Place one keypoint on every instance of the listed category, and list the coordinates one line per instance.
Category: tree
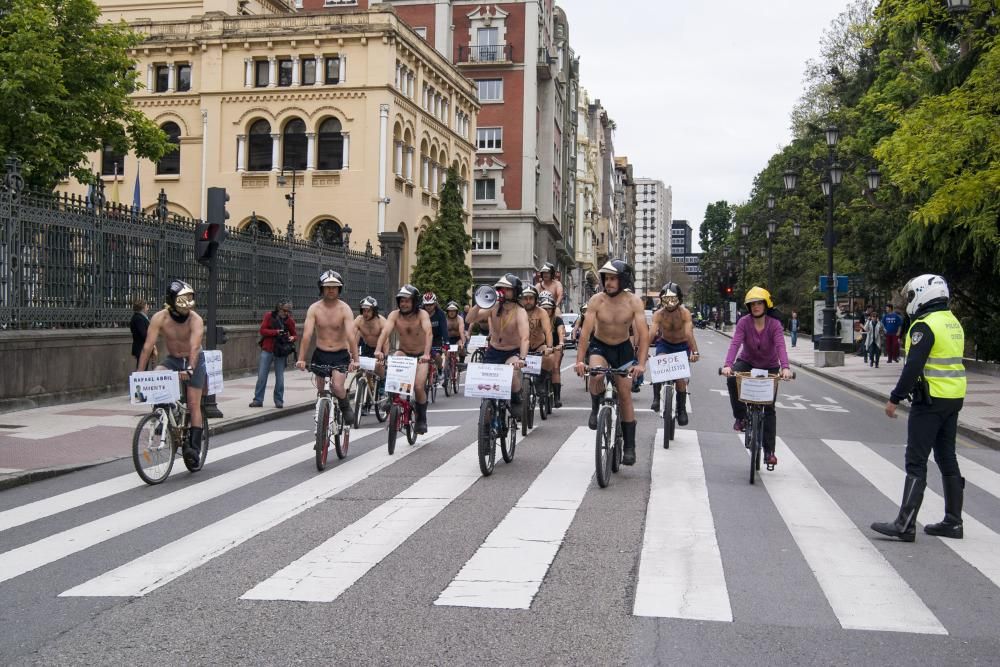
(716, 225)
(670, 271)
(441, 251)
(65, 90)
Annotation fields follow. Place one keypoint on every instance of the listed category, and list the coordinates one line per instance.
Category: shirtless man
(368, 326)
(547, 303)
(547, 283)
(336, 341)
(539, 329)
(604, 341)
(182, 329)
(509, 333)
(456, 329)
(673, 331)
(414, 328)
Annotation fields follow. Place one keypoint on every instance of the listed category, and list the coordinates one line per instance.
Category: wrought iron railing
(490, 53)
(68, 261)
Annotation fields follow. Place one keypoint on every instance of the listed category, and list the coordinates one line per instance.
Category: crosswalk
(682, 571)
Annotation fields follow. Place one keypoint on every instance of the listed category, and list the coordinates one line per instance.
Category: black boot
(682, 415)
(346, 410)
(595, 404)
(192, 452)
(557, 394)
(421, 426)
(655, 407)
(628, 454)
(905, 525)
(954, 490)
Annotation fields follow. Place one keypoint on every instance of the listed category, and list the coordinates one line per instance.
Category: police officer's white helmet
(923, 290)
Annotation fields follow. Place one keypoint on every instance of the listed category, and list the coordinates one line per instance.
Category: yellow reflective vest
(944, 370)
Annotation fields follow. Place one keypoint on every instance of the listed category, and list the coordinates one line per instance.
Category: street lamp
(772, 227)
(959, 6)
(290, 198)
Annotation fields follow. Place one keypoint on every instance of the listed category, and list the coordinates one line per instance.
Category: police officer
(934, 379)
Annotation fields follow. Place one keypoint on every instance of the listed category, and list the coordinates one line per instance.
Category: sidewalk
(48, 441)
(978, 421)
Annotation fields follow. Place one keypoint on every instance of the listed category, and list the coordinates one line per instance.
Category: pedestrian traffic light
(209, 235)
(729, 290)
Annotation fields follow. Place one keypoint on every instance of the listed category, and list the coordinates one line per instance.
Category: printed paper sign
(453, 347)
(153, 387)
(488, 381)
(533, 365)
(400, 373)
(213, 366)
(476, 342)
(367, 363)
(758, 372)
(665, 367)
(757, 390)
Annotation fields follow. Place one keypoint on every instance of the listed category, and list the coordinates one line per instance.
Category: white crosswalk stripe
(980, 475)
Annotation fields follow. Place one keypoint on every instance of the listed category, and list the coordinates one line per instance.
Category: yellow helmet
(758, 294)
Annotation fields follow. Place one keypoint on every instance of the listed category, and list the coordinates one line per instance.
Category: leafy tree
(716, 225)
(65, 90)
(441, 250)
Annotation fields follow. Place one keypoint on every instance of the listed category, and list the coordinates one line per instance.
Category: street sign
(842, 284)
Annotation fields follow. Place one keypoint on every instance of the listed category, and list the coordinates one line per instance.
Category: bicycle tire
(525, 412)
(447, 380)
(544, 402)
(602, 447)
(410, 428)
(486, 449)
(359, 401)
(393, 428)
(322, 446)
(381, 413)
(667, 396)
(754, 444)
(617, 450)
(152, 456)
(531, 405)
(508, 442)
(203, 453)
(454, 379)
(432, 385)
(342, 441)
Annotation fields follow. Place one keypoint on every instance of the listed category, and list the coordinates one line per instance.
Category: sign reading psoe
(664, 367)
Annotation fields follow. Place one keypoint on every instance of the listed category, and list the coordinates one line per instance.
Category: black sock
(595, 402)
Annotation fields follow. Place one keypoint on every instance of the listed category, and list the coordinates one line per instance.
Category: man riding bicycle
(547, 303)
(605, 342)
(758, 342)
(414, 328)
(336, 341)
(509, 332)
(456, 329)
(182, 329)
(539, 329)
(673, 332)
(439, 329)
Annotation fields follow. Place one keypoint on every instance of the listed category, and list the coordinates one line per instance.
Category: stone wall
(52, 366)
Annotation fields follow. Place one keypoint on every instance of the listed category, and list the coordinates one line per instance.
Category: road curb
(972, 433)
(10, 480)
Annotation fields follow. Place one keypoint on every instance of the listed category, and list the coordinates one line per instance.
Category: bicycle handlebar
(322, 368)
(604, 370)
(746, 374)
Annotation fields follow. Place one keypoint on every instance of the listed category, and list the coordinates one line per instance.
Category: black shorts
(199, 378)
(618, 356)
(454, 340)
(495, 356)
(365, 350)
(324, 358)
(666, 347)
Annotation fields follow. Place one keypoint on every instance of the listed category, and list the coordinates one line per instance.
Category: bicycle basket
(757, 391)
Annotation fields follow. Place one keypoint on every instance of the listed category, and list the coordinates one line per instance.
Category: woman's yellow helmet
(758, 294)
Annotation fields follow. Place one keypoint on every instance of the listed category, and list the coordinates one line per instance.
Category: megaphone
(486, 297)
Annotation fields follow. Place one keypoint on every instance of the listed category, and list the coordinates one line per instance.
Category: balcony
(490, 54)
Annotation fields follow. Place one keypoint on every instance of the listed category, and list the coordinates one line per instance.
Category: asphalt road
(413, 559)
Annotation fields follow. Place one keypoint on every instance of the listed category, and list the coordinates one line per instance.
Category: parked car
(569, 320)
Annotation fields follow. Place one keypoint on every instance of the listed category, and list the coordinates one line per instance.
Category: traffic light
(729, 290)
(209, 235)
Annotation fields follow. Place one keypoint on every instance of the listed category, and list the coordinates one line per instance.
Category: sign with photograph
(400, 374)
(153, 387)
(673, 366)
(488, 381)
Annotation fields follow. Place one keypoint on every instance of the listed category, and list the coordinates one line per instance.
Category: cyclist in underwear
(758, 342)
(456, 329)
(508, 323)
(539, 329)
(673, 331)
(547, 303)
(439, 329)
(369, 325)
(414, 328)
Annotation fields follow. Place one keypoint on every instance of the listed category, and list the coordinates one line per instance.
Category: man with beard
(368, 325)
(547, 303)
(439, 329)
(456, 329)
(547, 282)
(508, 323)
(182, 329)
(332, 320)
(673, 331)
(414, 328)
(605, 342)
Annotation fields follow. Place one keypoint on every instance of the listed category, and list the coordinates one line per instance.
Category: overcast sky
(701, 90)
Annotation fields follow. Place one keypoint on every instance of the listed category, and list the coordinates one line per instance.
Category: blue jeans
(263, 370)
(795, 337)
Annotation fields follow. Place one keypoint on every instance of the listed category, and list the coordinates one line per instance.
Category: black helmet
(512, 281)
(618, 267)
(672, 289)
(180, 297)
(330, 278)
(411, 292)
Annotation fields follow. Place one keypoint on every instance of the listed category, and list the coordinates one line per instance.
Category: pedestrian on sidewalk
(139, 326)
(933, 378)
(874, 338)
(892, 322)
(277, 342)
(793, 326)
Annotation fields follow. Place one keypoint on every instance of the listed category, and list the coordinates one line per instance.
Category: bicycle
(496, 422)
(401, 419)
(754, 433)
(365, 387)
(431, 384)
(451, 373)
(610, 441)
(669, 418)
(329, 419)
(159, 435)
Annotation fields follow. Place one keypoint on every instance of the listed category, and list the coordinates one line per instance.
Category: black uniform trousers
(933, 428)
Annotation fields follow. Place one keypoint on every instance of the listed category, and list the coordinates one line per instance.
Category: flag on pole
(114, 187)
(136, 201)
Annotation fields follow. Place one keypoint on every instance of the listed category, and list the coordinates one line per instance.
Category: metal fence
(77, 262)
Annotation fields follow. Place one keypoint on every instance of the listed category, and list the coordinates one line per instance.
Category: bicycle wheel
(360, 394)
(410, 427)
(545, 401)
(322, 445)
(618, 448)
(526, 414)
(379, 403)
(203, 452)
(667, 396)
(153, 448)
(342, 439)
(508, 441)
(432, 386)
(531, 405)
(454, 379)
(487, 445)
(752, 433)
(393, 427)
(446, 374)
(603, 447)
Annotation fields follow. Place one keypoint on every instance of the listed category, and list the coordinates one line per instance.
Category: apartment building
(654, 206)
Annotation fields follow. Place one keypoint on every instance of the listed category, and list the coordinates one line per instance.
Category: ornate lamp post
(290, 198)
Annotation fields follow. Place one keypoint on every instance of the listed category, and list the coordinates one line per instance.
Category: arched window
(293, 149)
(260, 147)
(171, 162)
(328, 232)
(331, 145)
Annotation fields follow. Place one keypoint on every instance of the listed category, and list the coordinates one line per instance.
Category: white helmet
(922, 290)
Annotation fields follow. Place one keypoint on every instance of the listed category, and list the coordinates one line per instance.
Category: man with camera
(277, 341)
